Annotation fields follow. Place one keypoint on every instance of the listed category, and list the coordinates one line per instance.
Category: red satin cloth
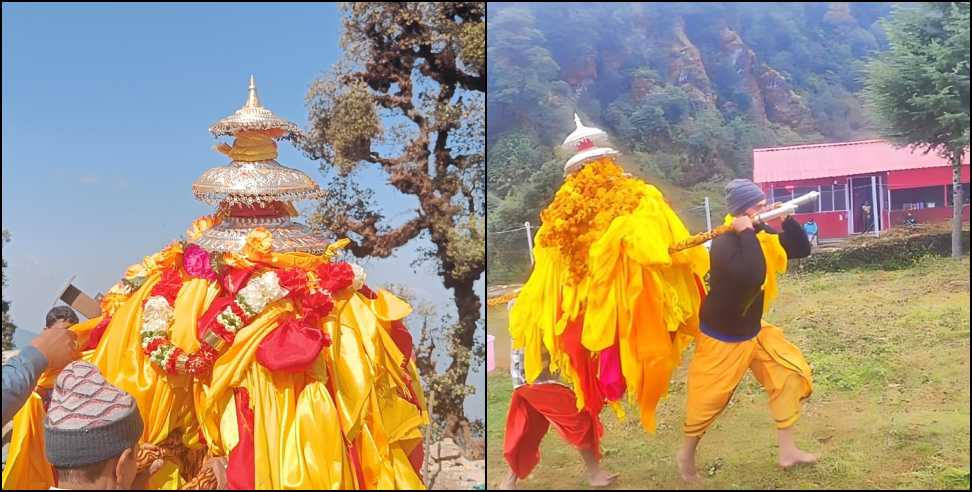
(97, 333)
(272, 210)
(240, 470)
(402, 338)
(291, 347)
(532, 409)
(585, 364)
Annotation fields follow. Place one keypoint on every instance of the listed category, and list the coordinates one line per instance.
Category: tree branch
(441, 67)
(381, 244)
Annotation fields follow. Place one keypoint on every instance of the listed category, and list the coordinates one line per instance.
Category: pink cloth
(610, 378)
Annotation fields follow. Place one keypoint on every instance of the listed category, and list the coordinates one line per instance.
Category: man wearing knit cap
(91, 432)
(734, 338)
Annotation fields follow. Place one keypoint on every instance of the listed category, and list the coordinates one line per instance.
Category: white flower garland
(359, 277)
(157, 317)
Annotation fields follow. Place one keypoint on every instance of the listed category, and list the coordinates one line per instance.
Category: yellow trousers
(718, 367)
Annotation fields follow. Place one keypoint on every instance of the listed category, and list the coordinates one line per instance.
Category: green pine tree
(919, 89)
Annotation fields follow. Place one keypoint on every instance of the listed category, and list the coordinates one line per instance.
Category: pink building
(850, 175)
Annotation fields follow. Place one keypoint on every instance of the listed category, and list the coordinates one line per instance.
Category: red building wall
(927, 215)
(834, 224)
(829, 224)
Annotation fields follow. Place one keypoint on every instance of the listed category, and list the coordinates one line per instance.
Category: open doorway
(866, 204)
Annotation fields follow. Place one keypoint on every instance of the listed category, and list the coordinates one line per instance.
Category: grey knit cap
(742, 194)
(89, 420)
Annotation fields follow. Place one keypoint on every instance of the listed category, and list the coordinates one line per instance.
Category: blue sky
(105, 116)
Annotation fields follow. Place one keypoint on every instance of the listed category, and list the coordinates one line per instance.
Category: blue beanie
(742, 194)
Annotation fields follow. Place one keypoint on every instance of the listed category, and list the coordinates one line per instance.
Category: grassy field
(890, 409)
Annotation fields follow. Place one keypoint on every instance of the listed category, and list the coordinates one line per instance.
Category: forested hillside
(686, 91)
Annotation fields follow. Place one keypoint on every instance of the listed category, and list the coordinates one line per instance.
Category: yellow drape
(250, 145)
(635, 291)
(300, 430)
(27, 468)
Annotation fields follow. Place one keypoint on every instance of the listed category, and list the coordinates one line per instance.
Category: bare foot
(601, 478)
(686, 466)
(508, 483)
(796, 457)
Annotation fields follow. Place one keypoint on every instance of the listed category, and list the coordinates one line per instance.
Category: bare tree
(8, 325)
(419, 69)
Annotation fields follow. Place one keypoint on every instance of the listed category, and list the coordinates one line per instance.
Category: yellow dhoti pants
(718, 367)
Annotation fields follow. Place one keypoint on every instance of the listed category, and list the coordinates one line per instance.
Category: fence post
(529, 240)
(874, 207)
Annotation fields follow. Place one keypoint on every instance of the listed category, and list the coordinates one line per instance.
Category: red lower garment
(532, 409)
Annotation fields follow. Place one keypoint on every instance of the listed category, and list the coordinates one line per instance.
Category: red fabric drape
(290, 347)
(240, 470)
(532, 409)
(402, 338)
(96, 333)
(217, 307)
(586, 365)
(417, 456)
(609, 376)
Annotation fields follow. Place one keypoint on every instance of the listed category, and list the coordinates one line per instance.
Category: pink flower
(196, 262)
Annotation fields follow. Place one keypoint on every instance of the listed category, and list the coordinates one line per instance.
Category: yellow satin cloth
(779, 366)
(251, 146)
(717, 367)
(300, 433)
(635, 290)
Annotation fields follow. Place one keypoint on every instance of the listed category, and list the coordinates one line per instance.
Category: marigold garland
(584, 207)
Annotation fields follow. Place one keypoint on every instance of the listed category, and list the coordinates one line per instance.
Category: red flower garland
(335, 276)
(168, 285)
(316, 306)
(332, 277)
(294, 280)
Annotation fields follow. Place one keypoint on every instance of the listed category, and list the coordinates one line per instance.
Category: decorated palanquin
(249, 340)
(609, 305)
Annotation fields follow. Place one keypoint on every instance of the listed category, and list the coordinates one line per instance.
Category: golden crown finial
(253, 116)
(252, 101)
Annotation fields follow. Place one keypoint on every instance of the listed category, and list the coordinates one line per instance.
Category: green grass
(890, 409)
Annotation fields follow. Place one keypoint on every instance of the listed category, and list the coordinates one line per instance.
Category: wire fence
(509, 250)
(508, 254)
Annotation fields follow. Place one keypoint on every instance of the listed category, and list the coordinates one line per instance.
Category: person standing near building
(866, 216)
(811, 229)
(910, 220)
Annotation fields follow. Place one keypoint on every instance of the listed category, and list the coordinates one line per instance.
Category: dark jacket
(733, 309)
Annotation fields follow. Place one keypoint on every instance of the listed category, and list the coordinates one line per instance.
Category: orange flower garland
(203, 224)
(584, 207)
